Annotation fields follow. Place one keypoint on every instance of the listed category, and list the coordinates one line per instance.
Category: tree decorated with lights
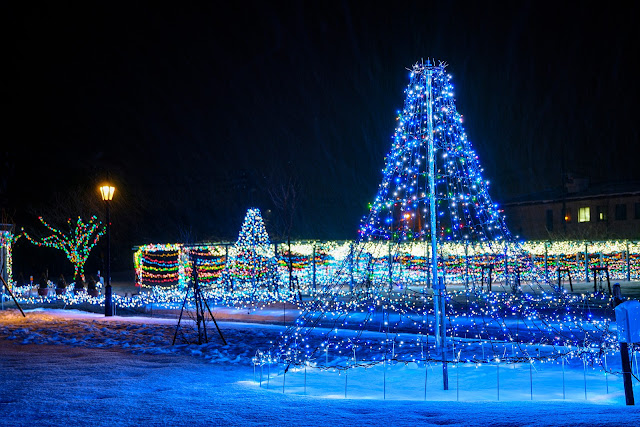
(252, 264)
(433, 195)
(7, 240)
(76, 242)
(253, 233)
(432, 163)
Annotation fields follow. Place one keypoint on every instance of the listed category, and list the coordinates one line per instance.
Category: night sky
(197, 111)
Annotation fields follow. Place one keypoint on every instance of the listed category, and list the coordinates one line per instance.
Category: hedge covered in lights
(316, 263)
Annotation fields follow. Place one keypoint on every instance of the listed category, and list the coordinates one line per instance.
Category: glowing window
(567, 215)
(602, 213)
(584, 214)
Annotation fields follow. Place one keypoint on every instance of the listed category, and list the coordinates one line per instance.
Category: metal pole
(584, 372)
(466, 264)
(506, 265)
(457, 381)
(426, 377)
(624, 355)
(390, 269)
(600, 258)
(196, 298)
(498, 378)
(346, 379)
(438, 283)
(563, 385)
(108, 307)
(351, 255)
(628, 264)
(606, 378)
(432, 208)
(275, 254)
(384, 378)
(586, 262)
(3, 279)
(4, 270)
(6, 286)
(530, 378)
(546, 262)
(426, 267)
(314, 267)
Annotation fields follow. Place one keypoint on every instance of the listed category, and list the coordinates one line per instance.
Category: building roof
(595, 191)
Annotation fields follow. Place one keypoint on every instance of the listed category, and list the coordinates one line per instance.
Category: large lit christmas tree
(432, 163)
(433, 197)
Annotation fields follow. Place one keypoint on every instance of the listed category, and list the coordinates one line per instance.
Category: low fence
(313, 265)
(563, 380)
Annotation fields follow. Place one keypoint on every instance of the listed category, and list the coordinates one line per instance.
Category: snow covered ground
(77, 368)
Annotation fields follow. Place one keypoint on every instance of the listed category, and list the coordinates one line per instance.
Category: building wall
(598, 218)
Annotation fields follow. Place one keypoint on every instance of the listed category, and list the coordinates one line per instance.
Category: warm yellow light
(106, 191)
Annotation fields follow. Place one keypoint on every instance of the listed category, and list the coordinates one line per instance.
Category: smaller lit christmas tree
(252, 265)
(253, 232)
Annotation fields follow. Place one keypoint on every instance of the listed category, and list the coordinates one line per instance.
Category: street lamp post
(106, 191)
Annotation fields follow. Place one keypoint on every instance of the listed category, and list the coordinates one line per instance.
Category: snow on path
(136, 334)
(74, 368)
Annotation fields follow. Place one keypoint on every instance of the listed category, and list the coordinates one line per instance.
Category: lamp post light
(106, 191)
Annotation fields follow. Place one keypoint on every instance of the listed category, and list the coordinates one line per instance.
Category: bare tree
(285, 196)
(77, 202)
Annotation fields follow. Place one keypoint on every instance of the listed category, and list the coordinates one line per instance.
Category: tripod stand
(6, 286)
(200, 303)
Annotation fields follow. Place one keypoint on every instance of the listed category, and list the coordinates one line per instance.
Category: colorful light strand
(76, 243)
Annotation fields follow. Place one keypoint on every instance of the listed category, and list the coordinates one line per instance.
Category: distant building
(582, 212)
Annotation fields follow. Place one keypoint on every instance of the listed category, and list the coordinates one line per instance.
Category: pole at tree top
(437, 283)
